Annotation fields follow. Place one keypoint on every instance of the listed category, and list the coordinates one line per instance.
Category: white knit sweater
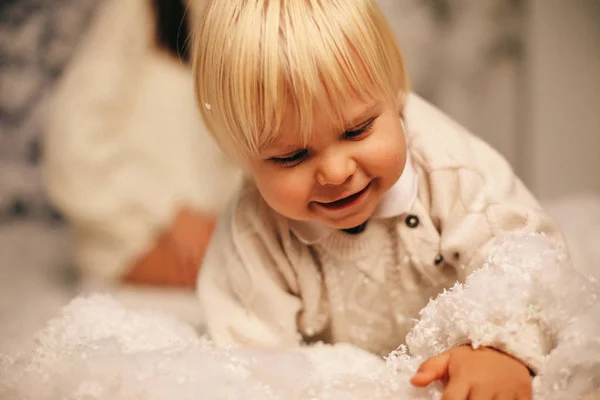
(262, 286)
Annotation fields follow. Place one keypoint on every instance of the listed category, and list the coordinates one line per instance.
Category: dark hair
(172, 28)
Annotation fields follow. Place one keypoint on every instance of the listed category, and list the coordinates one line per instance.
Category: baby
(362, 202)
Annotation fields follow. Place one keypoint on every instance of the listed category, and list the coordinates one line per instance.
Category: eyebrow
(359, 119)
(277, 149)
(283, 150)
(363, 116)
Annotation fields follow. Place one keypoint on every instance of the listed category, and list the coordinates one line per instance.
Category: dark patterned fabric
(37, 38)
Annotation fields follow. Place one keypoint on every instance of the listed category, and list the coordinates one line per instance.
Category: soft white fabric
(262, 286)
(126, 148)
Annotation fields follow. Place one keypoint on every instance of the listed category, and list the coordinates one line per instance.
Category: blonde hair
(253, 59)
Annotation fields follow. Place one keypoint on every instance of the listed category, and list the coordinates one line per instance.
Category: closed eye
(360, 132)
(292, 159)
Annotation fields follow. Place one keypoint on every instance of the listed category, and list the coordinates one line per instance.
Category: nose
(335, 169)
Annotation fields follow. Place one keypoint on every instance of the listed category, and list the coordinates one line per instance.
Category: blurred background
(522, 74)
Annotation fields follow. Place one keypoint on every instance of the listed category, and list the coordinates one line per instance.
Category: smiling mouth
(346, 201)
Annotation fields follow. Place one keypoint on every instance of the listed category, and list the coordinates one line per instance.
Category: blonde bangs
(257, 60)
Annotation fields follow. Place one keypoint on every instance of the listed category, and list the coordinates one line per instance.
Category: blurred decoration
(466, 57)
(37, 39)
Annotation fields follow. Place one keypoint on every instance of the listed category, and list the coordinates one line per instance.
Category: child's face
(339, 177)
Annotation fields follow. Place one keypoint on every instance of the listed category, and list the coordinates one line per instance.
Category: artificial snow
(98, 349)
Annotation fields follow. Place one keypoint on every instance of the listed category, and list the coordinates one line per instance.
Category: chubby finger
(456, 390)
(433, 369)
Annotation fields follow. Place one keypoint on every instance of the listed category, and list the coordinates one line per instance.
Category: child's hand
(482, 374)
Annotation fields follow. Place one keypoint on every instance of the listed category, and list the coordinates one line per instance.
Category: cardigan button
(439, 259)
(412, 221)
(55, 215)
(19, 208)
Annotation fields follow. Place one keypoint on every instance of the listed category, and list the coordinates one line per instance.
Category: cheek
(388, 152)
(285, 191)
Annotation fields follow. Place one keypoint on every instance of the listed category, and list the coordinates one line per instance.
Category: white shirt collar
(396, 201)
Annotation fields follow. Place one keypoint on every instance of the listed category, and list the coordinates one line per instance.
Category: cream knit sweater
(262, 286)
